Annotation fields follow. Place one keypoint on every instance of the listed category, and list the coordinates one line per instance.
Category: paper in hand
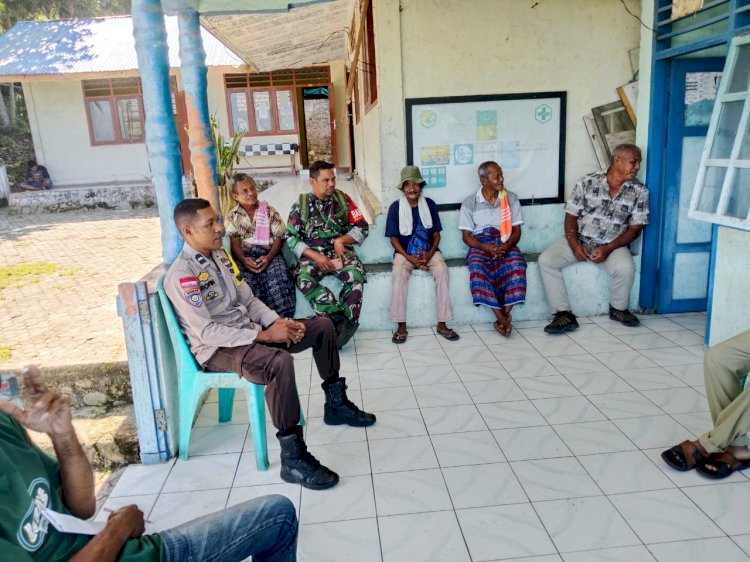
(70, 524)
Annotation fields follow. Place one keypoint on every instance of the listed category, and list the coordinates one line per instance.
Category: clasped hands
(286, 330)
(420, 259)
(595, 255)
(497, 251)
(326, 264)
(257, 265)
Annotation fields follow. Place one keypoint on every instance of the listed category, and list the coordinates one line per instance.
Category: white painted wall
(61, 138)
(431, 48)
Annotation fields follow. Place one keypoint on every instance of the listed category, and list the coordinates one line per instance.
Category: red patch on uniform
(186, 282)
(355, 215)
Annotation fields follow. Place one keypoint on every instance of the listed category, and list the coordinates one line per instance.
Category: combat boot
(298, 466)
(340, 410)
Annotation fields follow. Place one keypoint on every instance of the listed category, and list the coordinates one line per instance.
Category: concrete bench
(588, 284)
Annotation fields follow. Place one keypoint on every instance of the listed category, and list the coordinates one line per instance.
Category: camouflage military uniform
(315, 223)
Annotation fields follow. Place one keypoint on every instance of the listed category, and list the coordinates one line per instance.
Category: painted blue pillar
(195, 82)
(162, 143)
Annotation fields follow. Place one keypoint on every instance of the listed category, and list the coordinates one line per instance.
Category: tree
(12, 11)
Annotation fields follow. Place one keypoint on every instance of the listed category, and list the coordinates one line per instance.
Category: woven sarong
(274, 286)
(496, 283)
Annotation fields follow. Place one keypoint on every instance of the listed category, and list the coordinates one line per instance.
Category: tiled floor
(536, 448)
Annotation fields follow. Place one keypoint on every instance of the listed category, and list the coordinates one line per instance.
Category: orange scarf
(506, 225)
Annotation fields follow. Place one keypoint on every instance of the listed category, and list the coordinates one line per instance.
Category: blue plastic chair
(194, 381)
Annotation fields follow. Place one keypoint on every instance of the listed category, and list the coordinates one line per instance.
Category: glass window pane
(262, 104)
(101, 120)
(700, 94)
(711, 190)
(129, 112)
(238, 108)
(741, 74)
(739, 200)
(285, 110)
(745, 146)
(726, 129)
(690, 230)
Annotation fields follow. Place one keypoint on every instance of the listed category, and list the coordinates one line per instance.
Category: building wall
(61, 138)
(500, 47)
(729, 305)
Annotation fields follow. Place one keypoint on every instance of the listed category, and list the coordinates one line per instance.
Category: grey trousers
(619, 265)
(402, 269)
(724, 367)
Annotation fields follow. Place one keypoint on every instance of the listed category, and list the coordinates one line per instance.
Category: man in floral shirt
(323, 226)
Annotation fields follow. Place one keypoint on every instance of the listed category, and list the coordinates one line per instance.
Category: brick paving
(70, 317)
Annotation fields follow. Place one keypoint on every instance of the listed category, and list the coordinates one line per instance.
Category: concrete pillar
(195, 82)
(162, 143)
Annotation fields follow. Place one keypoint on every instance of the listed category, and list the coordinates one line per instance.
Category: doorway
(318, 125)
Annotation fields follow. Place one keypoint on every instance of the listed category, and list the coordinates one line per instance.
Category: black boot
(340, 410)
(345, 329)
(298, 466)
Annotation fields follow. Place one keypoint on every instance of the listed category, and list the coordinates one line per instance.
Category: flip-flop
(725, 463)
(683, 457)
(399, 337)
(448, 334)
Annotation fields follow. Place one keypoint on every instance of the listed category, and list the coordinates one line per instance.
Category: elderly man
(323, 226)
(605, 213)
(33, 481)
(229, 329)
(490, 221)
(724, 449)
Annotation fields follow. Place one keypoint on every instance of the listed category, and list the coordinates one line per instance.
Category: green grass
(6, 351)
(25, 273)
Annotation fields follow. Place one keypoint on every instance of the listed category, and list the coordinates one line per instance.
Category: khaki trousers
(402, 269)
(724, 367)
(619, 264)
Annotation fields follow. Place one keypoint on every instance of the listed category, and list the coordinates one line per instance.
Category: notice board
(449, 137)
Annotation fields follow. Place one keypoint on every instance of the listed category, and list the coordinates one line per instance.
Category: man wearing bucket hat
(413, 225)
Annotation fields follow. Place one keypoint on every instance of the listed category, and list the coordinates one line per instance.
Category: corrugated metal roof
(32, 48)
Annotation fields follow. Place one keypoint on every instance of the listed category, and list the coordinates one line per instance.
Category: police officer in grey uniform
(229, 329)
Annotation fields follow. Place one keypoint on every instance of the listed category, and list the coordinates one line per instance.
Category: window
(114, 108)
(369, 68)
(722, 186)
(265, 103)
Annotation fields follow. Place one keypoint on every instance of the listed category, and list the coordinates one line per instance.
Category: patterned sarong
(274, 287)
(496, 283)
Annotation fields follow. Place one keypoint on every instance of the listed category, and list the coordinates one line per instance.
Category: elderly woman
(491, 222)
(256, 231)
(413, 225)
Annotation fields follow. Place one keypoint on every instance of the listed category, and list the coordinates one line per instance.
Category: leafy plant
(227, 156)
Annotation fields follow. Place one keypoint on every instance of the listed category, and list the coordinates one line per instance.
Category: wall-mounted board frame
(448, 137)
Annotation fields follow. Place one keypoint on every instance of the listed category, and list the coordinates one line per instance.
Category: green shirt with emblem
(29, 482)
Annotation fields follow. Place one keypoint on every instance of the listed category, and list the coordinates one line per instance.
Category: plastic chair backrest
(183, 356)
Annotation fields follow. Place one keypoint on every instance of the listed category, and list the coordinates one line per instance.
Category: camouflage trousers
(307, 277)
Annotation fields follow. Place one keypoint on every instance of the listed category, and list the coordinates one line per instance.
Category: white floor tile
(472, 372)
(620, 473)
(653, 431)
(397, 423)
(619, 554)
(664, 516)
(506, 531)
(379, 345)
(417, 357)
(603, 382)
(346, 459)
(624, 405)
(453, 419)
(669, 356)
(697, 423)
(470, 338)
(530, 443)
(209, 414)
(245, 493)
(589, 438)
(483, 485)
(171, 510)
(527, 368)
(743, 541)
(372, 334)
(452, 394)
(554, 479)
(320, 433)
(145, 503)
(383, 399)
(376, 361)
(202, 473)
(435, 374)
(547, 387)
(660, 324)
(647, 340)
(423, 537)
(684, 337)
(568, 410)
(515, 351)
(141, 479)
(342, 541)
(384, 378)
(458, 449)
(494, 391)
(585, 523)
(677, 400)
(470, 354)
(703, 549)
(404, 453)
(572, 364)
(217, 439)
(351, 498)
(556, 346)
(249, 475)
(688, 478)
(726, 504)
(624, 360)
(507, 415)
(419, 342)
(415, 491)
(650, 379)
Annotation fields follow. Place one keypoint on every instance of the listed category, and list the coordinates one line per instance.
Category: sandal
(448, 334)
(684, 456)
(399, 337)
(503, 329)
(725, 464)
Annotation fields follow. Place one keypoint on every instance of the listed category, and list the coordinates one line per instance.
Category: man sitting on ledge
(323, 226)
(605, 213)
(32, 481)
(229, 329)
